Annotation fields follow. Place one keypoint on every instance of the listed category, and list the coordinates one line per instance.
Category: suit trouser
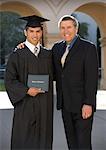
(77, 130)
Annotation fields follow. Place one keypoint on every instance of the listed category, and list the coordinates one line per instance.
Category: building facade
(53, 10)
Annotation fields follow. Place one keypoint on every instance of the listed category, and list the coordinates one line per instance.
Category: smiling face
(68, 30)
(33, 35)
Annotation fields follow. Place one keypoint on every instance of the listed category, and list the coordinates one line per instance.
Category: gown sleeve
(16, 89)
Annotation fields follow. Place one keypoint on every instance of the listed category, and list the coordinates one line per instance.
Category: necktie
(65, 55)
(36, 51)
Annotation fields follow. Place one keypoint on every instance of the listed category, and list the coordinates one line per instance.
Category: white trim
(101, 100)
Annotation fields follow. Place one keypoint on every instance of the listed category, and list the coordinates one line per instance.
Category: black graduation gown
(33, 116)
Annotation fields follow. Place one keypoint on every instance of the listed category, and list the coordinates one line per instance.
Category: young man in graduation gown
(33, 108)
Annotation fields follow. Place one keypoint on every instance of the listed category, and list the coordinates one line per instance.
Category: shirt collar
(31, 46)
(72, 42)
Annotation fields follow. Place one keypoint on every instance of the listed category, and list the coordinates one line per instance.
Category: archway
(19, 7)
(24, 10)
(97, 11)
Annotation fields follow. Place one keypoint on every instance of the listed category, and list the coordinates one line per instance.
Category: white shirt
(65, 55)
(32, 47)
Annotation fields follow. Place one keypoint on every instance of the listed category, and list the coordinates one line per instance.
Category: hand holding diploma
(34, 91)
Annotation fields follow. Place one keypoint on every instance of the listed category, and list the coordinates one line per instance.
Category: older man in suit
(76, 74)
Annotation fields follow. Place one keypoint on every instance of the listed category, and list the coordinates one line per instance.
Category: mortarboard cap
(34, 21)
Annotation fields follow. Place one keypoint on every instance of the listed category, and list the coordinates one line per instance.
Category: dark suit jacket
(76, 83)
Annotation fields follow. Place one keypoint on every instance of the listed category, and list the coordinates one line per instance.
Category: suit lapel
(72, 51)
(60, 51)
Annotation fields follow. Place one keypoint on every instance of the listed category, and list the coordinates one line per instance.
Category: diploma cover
(38, 81)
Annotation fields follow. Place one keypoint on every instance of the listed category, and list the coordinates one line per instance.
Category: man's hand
(21, 45)
(34, 91)
(86, 111)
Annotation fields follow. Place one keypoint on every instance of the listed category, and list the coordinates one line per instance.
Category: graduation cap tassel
(42, 38)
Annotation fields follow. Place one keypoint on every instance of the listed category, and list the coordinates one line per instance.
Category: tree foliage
(83, 29)
(11, 33)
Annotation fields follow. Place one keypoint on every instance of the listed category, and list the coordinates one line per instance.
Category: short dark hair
(69, 17)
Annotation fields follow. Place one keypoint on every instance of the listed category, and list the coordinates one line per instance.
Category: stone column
(103, 63)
